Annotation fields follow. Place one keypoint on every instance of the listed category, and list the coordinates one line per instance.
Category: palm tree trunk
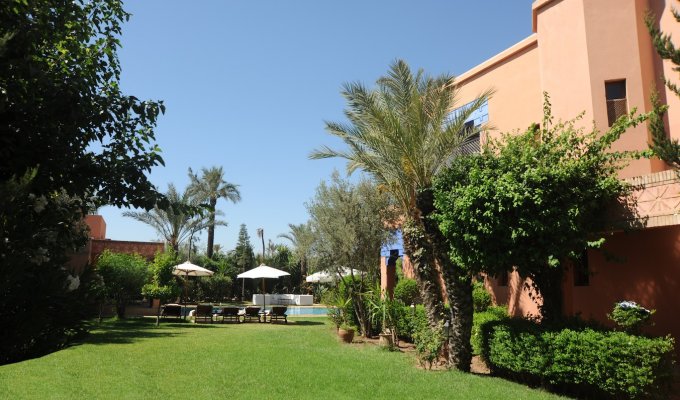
(211, 228)
(458, 289)
(421, 254)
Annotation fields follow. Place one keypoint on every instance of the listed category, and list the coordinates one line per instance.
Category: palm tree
(403, 133)
(302, 238)
(176, 222)
(210, 187)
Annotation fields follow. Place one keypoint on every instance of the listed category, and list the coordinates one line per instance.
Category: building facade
(596, 57)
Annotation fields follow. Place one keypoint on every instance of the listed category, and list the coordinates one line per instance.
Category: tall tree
(301, 236)
(243, 254)
(663, 146)
(210, 187)
(176, 222)
(403, 133)
(68, 135)
(350, 224)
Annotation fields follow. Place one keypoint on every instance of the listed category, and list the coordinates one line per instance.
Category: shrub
(481, 299)
(124, 275)
(581, 361)
(630, 316)
(407, 292)
(411, 320)
(215, 288)
(494, 313)
(428, 344)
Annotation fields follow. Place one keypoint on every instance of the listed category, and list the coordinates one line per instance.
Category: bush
(407, 292)
(428, 344)
(411, 320)
(215, 288)
(630, 316)
(124, 276)
(481, 299)
(494, 313)
(580, 361)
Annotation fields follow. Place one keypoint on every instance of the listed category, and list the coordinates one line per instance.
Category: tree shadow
(302, 323)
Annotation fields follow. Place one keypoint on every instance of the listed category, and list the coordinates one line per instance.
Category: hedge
(582, 361)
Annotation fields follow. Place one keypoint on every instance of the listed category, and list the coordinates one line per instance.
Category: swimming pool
(296, 310)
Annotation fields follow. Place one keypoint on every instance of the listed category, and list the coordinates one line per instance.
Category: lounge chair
(171, 310)
(230, 314)
(278, 313)
(204, 313)
(251, 312)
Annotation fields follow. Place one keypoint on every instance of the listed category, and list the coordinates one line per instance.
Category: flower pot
(346, 335)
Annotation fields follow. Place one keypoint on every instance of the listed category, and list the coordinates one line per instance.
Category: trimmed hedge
(493, 313)
(581, 361)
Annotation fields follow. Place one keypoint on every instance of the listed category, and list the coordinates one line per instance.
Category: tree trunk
(120, 309)
(420, 252)
(211, 228)
(459, 289)
(548, 284)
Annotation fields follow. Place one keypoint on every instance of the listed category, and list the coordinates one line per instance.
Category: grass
(133, 359)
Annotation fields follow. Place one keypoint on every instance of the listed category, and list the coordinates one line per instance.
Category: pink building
(596, 56)
(98, 243)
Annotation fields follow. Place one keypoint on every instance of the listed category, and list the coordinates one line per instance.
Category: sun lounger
(251, 312)
(230, 314)
(171, 310)
(203, 313)
(278, 313)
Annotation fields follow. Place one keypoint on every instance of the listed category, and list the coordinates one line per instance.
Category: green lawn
(302, 360)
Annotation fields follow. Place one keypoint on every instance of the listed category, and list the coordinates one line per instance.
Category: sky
(248, 85)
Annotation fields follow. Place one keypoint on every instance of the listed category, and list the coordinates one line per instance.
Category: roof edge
(497, 59)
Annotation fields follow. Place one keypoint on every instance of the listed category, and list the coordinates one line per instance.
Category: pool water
(296, 310)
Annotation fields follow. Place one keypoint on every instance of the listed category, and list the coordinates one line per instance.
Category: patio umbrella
(188, 269)
(263, 272)
(327, 277)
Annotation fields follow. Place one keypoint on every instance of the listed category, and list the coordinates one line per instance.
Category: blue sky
(248, 86)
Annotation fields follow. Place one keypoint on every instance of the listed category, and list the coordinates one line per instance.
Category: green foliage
(428, 342)
(349, 222)
(581, 361)
(243, 253)
(175, 221)
(63, 112)
(531, 200)
(210, 187)
(124, 276)
(481, 298)
(385, 312)
(493, 313)
(410, 321)
(43, 304)
(406, 291)
(215, 288)
(630, 316)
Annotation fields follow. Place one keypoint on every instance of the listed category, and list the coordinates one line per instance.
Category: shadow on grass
(133, 329)
(302, 323)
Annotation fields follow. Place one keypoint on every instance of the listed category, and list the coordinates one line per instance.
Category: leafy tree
(62, 110)
(163, 285)
(403, 134)
(69, 138)
(531, 201)
(349, 222)
(176, 222)
(210, 187)
(124, 276)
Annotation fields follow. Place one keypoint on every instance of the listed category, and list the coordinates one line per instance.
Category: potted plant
(346, 332)
(384, 310)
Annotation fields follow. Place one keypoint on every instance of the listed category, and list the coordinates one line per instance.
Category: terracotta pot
(346, 335)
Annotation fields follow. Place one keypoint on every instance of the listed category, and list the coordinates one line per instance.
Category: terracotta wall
(97, 226)
(147, 250)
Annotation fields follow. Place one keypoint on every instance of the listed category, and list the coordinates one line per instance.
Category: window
(581, 270)
(615, 91)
